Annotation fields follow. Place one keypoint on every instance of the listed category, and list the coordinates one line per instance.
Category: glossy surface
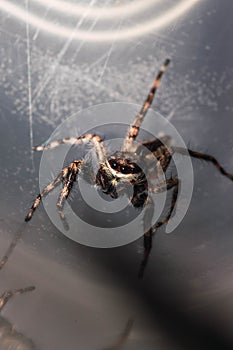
(85, 296)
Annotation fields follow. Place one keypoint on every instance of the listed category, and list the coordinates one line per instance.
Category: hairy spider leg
(73, 170)
(46, 191)
(205, 157)
(10, 293)
(134, 128)
(68, 174)
(170, 183)
(84, 139)
(167, 185)
(147, 238)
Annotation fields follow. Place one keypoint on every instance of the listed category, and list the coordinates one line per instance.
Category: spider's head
(123, 167)
(118, 169)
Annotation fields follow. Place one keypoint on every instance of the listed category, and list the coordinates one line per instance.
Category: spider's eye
(113, 164)
(125, 170)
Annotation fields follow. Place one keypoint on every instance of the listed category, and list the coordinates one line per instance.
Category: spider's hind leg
(204, 156)
(167, 185)
(170, 184)
(147, 238)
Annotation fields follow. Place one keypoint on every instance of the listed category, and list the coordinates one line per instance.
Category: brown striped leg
(205, 157)
(10, 293)
(73, 170)
(46, 191)
(169, 184)
(147, 238)
(134, 128)
(84, 139)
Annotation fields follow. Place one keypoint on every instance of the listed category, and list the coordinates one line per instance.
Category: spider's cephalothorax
(120, 169)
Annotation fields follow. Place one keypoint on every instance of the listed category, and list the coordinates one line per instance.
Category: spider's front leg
(68, 176)
(49, 188)
(167, 185)
(73, 170)
(134, 128)
(84, 139)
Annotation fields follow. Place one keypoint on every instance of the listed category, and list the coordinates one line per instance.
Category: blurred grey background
(84, 296)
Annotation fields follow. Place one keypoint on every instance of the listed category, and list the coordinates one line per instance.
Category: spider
(118, 170)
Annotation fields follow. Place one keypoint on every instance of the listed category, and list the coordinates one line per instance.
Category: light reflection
(99, 36)
(103, 13)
